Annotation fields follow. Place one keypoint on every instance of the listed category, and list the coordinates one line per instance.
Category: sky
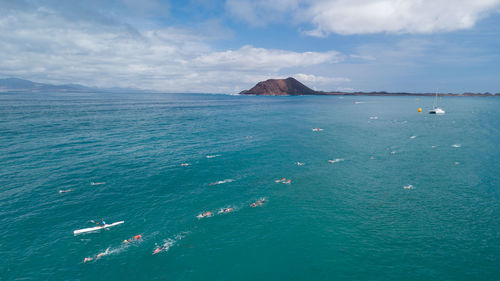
(226, 46)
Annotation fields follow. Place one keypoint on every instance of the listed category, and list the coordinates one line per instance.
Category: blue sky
(229, 45)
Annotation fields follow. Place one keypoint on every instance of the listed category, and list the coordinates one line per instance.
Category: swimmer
(204, 215)
(258, 203)
(96, 257)
(135, 238)
(212, 156)
(317, 129)
(299, 164)
(97, 183)
(222, 181)
(161, 248)
(408, 186)
(225, 210)
(185, 164)
(100, 255)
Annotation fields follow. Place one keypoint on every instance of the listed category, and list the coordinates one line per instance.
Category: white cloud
(251, 58)
(396, 16)
(367, 16)
(316, 79)
(43, 45)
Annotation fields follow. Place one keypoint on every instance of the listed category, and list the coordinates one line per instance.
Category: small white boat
(436, 109)
(96, 228)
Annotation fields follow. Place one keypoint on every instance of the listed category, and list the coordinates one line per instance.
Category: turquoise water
(348, 220)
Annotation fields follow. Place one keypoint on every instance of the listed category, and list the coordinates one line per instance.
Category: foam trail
(221, 182)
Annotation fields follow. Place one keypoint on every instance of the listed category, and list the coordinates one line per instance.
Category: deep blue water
(348, 220)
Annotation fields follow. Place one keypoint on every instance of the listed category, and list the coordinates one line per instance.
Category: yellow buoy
(419, 109)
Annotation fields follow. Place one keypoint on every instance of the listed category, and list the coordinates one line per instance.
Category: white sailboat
(436, 109)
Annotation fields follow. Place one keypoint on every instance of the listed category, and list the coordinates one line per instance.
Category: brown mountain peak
(280, 87)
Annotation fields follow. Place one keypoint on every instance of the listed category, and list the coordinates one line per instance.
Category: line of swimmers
(284, 180)
(207, 214)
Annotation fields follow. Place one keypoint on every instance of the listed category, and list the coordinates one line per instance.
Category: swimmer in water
(258, 203)
(96, 257)
(137, 237)
(225, 210)
(185, 164)
(204, 215)
(97, 183)
(161, 248)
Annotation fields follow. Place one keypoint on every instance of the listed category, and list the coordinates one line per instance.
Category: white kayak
(95, 228)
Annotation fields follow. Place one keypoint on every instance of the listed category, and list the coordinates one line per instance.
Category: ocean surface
(405, 195)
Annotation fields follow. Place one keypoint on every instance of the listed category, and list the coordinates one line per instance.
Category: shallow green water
(348, 220)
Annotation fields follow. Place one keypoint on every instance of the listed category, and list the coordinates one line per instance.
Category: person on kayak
(103, 223)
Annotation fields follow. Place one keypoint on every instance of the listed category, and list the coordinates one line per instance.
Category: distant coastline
(291, 87)
(406, 94)
(17, 85)
(271, 87)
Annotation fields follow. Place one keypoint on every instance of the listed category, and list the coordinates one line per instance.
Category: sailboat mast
(436, 99)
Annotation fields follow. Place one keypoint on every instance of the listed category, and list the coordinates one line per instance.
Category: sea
(313, 187)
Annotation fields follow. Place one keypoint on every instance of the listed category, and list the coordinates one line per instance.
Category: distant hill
(280, 87)
(21, 85)
(16, 85)
(291, 87)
